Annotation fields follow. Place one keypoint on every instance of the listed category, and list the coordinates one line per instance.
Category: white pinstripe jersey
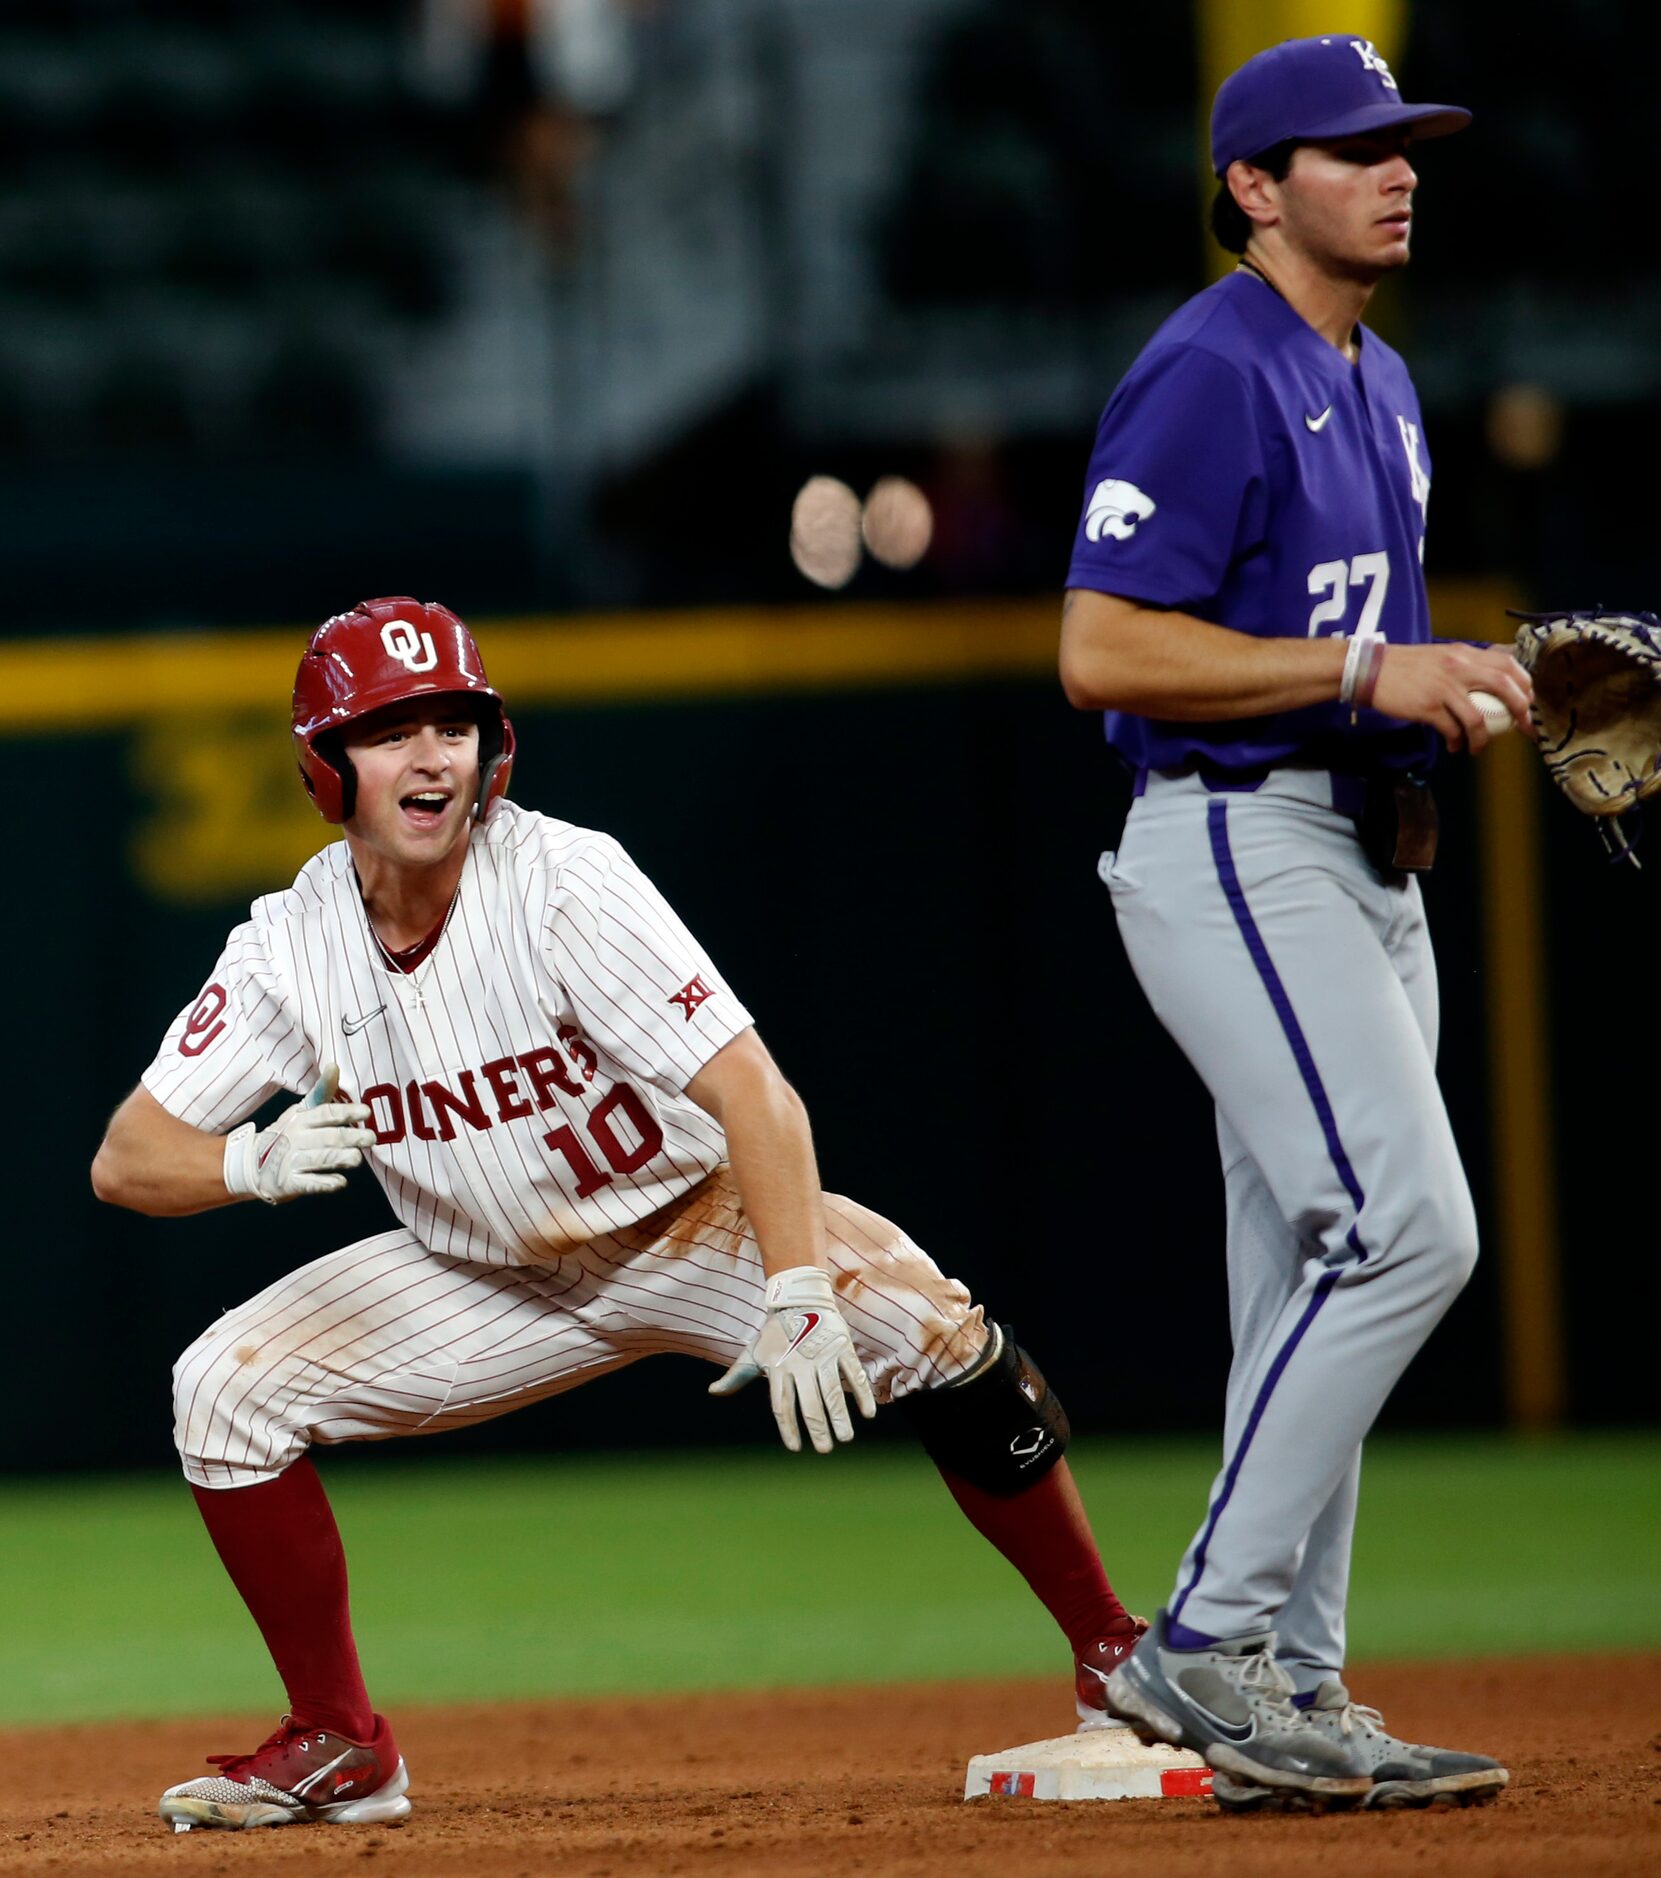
(526, 1080)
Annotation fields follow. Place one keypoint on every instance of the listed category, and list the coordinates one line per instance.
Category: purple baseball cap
(1313, 90)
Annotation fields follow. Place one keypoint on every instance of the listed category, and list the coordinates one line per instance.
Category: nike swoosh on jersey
(1317, 423)
(352, 1025)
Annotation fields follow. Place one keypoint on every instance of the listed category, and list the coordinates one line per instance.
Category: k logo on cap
(1375, 61)
(1316, 91)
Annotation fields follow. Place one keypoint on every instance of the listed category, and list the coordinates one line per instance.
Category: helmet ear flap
(329, 778)
(348, 784)
(493, 782)
(496, 748)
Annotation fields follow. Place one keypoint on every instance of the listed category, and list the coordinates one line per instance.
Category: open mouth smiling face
(417, 771)
(425, 808)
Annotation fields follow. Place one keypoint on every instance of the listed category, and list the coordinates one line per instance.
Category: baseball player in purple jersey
(1247, 602)
(591, 1158)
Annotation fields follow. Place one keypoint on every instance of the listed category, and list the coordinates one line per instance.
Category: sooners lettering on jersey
(526, 1082)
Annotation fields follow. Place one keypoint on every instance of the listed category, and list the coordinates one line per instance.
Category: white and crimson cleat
(295, 1777)
(1091, 1669)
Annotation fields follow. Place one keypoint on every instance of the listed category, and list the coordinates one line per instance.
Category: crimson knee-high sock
(1045, 1534)
(282, 1548)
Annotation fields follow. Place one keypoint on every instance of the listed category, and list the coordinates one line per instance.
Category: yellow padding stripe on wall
(108, 683)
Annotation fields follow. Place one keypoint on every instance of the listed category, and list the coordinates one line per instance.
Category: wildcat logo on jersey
(411, 649)
(1374, 62)
(1115, 509)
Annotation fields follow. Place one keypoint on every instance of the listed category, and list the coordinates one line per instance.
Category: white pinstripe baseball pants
(387, 1338)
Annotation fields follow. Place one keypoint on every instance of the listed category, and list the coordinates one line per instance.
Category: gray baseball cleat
(1403, 1773)
(1233, 1705)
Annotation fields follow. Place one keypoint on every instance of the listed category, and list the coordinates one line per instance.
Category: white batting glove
(807, 1356)
(299, 1151)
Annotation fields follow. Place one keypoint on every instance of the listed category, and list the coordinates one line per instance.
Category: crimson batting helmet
(387, 652)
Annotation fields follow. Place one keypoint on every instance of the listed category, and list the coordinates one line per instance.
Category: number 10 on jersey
(622, 1158)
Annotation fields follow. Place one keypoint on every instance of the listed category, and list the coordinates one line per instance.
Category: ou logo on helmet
(413, 650)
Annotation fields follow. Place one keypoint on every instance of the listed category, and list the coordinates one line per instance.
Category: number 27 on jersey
(1331, 583)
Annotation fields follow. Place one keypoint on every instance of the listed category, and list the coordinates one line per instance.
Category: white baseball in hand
(1495, 713)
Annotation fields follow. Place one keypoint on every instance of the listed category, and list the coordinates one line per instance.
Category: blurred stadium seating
(219, 224)
(533, 305)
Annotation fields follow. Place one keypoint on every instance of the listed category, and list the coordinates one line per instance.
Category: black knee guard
(1000, 1426)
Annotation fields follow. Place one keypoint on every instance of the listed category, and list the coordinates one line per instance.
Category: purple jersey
(1245, 472)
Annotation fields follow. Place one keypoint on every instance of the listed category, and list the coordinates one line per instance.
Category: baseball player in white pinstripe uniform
(591, 1157)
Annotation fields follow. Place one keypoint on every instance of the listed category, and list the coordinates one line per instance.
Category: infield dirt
(801, 1783)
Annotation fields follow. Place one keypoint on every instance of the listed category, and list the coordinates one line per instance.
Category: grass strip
(501, 1578)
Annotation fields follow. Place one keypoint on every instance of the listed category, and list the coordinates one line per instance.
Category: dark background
(295, 308)
(303, 298)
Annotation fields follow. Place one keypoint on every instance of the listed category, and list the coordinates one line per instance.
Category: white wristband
(1352, 665)
(802, 1287)
(1361, 668)
(239, 1172)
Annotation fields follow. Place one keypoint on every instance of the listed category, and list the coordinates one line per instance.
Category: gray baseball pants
(1301, 986)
